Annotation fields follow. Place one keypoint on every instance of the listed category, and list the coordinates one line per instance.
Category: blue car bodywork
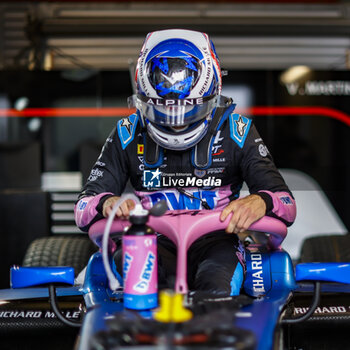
(271, 282)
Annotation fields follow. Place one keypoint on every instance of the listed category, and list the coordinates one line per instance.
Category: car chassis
(275, 301)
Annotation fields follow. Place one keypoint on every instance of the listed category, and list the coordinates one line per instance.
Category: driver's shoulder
(127, 129)
(239, 126)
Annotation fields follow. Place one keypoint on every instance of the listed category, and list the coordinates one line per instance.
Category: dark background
(316, 145)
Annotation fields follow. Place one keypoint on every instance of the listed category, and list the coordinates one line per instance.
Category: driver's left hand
(245, 211)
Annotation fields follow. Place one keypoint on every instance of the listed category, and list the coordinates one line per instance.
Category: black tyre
(60, 251)
(331, 248)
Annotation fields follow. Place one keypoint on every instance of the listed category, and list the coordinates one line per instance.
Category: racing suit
(237, 154)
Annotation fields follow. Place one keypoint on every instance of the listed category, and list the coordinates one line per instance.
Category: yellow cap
(171, 308)
(180, 313)
(163, 313)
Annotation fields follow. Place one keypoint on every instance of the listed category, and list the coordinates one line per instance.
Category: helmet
(178, 81)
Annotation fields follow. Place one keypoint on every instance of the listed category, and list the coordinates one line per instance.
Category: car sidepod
(270, 281)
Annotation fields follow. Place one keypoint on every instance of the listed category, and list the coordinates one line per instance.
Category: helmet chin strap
(201, 152)
(153, 154)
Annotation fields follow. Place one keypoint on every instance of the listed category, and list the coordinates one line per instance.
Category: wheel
(60, 251)
(330, 248)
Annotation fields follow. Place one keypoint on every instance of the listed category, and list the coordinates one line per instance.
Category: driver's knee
(220, 269)
(220, 280)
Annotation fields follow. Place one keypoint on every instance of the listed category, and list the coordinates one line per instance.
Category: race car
(279, 307)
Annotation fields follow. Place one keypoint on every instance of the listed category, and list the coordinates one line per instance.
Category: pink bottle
(140, 269)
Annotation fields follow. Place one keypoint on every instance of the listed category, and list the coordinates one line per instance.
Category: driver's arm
(105, 184)
(269, 193)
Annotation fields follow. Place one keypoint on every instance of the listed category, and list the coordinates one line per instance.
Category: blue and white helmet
(178, 79)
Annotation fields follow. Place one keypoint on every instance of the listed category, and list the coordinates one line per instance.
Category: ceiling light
(294, 74)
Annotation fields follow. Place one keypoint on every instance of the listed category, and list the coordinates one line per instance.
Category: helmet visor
(174, 112)
(174, 77)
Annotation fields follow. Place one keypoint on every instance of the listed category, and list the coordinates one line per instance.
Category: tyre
(331, 248)
(60, 251)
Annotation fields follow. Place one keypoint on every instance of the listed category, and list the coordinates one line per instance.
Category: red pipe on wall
(124, 112)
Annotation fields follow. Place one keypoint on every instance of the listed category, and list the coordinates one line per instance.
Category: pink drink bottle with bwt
(140, 269)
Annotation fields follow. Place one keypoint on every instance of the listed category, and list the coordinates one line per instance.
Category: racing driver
(185, 144)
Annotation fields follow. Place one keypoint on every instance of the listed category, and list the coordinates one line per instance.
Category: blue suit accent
(237, 280)
(126, 129)
(239, 126)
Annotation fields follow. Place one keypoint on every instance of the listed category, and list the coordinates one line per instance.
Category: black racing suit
(237, 154)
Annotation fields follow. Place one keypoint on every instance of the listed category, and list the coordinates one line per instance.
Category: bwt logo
(127, 264)
(152, 178)
(146, 274)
